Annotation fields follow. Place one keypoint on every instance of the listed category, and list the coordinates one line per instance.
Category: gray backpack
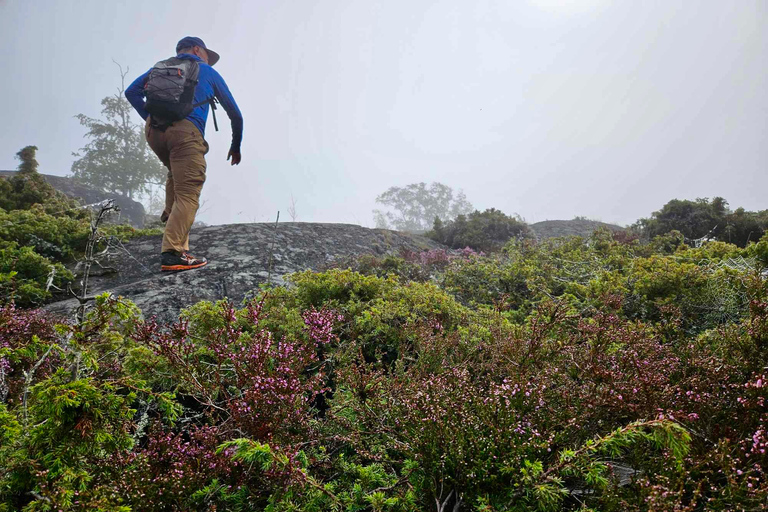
(170, 90)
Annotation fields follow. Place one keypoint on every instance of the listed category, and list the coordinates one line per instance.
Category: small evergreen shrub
(486, 231)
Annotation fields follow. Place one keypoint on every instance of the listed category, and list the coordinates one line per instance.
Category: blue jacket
(210, 84)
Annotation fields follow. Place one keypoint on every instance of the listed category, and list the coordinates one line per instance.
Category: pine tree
(27, 186)
(118, 158)
(27, 157)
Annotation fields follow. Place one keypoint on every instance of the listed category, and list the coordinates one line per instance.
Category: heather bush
(25, 335)
(466, 433)
(241, 373)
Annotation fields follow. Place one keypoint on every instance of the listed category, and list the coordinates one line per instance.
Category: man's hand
(235, 156)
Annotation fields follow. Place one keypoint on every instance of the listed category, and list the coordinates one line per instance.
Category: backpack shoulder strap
(212, 101)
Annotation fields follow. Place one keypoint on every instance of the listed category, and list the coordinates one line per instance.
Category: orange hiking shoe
(172, 262)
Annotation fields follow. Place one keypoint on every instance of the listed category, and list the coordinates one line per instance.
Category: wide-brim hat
(189, 41)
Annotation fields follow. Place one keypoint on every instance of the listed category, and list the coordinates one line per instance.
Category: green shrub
(57, 237)
(25, 275)
(482, 231)
(338, 288)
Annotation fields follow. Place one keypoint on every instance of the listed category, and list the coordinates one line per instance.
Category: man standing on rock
(178, 93)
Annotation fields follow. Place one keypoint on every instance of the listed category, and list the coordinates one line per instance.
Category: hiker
(179, 92)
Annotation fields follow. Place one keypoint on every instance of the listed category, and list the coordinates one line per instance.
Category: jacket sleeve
(135, 95)
(222, 93)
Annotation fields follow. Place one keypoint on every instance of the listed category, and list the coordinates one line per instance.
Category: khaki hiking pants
(182, 150)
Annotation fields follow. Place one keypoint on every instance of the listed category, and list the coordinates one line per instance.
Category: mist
(544, 108)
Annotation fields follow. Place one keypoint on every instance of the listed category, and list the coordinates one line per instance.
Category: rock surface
(575, 227)
(131, 212)
(239, 257)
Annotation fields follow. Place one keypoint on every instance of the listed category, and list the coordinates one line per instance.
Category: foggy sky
(544, 108)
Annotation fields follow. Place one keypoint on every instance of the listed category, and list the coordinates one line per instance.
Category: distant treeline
(696, 221)
(457, 224)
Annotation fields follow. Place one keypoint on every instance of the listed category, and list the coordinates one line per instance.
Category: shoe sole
(177, 268)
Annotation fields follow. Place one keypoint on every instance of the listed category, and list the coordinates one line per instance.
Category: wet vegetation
(574, 374)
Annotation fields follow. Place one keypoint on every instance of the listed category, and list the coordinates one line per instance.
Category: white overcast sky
(546, 108)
